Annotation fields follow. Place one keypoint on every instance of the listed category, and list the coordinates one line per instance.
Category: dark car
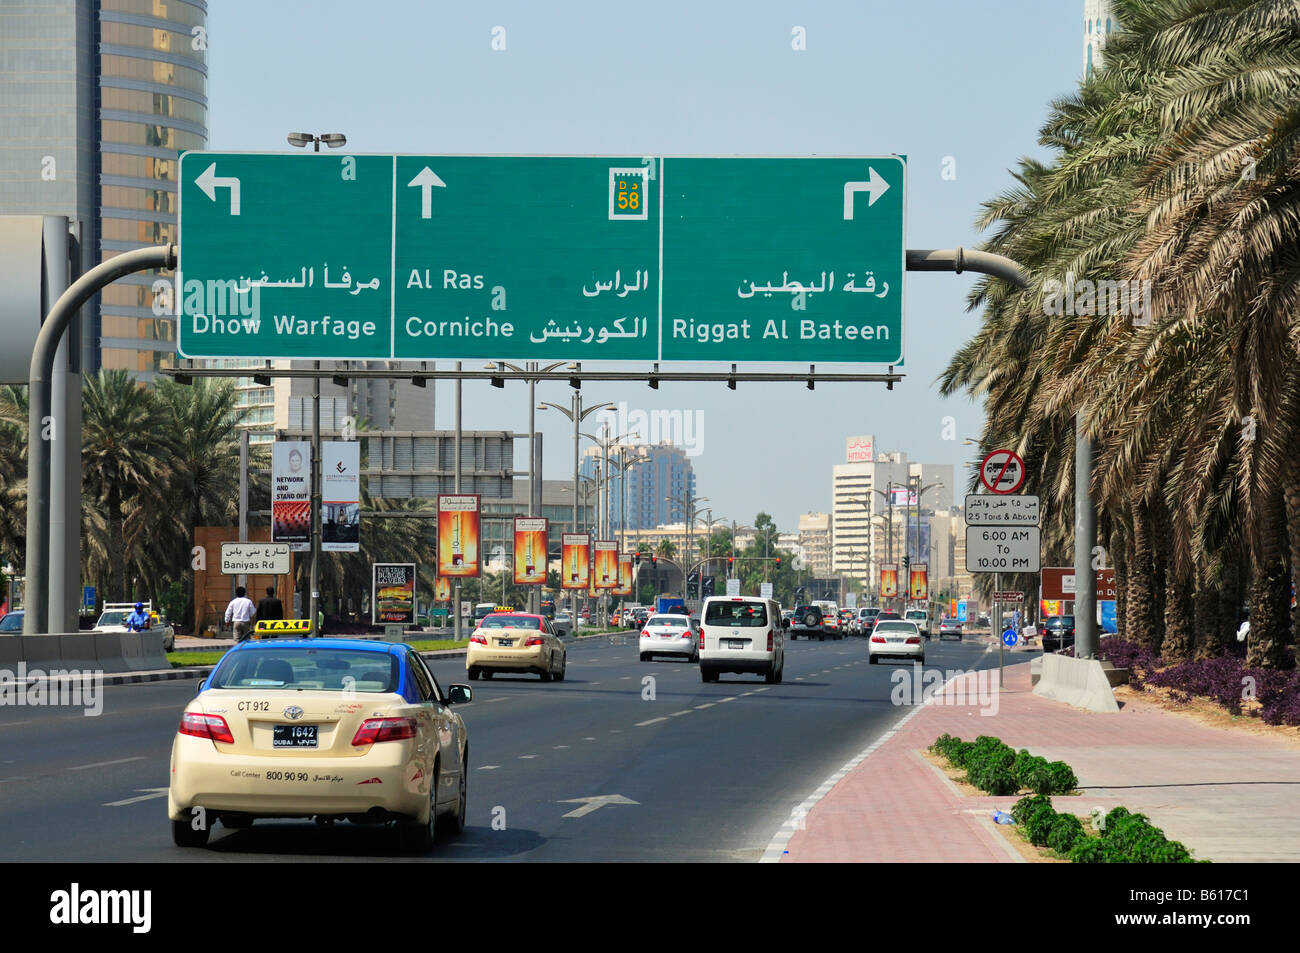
(1057, 632)
(807, 622)
(12, 623)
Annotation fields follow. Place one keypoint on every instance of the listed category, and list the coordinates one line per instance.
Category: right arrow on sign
(426, 180)
(875, 186)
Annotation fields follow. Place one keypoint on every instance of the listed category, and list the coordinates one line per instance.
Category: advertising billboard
(530, 550)
(575, 559)
(624, 575)
(340, 515)
(458, 534)
(604, 574)
(888, 580)
(392, 594)
(291, 494)
(918, 585)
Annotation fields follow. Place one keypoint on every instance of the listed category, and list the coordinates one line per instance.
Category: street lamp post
(333, 140)
(577, 415)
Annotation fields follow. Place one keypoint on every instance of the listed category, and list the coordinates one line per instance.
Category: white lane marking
(704, 706)
(626, 678)
(799, 814)
(588, 739)
(559, 747)
(104, 764)
(642, 724)
(488, 767)
(684, 711)
(503, 698)
(762, 690)
(148, 795)
(527, 757)
(798, 678)
(8, 780)
(593, 683)
(729, 698)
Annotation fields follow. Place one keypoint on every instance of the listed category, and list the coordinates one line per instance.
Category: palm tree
(13, 475)
(128, 453)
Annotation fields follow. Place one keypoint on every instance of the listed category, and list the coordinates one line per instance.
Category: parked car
(12, 623)
(1057, 632)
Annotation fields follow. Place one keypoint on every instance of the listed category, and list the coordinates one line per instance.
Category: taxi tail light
(375, 730)
(206, 726)
(479, 639)
(532, 640)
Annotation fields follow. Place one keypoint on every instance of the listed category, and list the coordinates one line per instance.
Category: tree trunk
(1145, 626)
(1162, 552)
(1291, 494)
(1270, 589)
(1119, 558)
(1179, 615)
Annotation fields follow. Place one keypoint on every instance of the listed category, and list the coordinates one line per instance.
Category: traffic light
(708, 585)
(636, 559)
(778, 562)
(729, 565)
(907, 560)
(654, 560)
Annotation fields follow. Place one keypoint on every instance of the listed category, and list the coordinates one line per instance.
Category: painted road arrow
(149, 795)
(426, 179)
(209, 182)
(590, 804)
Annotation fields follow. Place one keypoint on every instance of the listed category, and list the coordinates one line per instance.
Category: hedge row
(1124, 838)
(996, 768)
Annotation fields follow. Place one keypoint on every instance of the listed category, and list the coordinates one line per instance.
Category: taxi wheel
(414, 837)
(564, 663)
(645, 656)
(487, 676)
(455, 823)
(770, 675)
(184, 834)
(873, 659)
(472, 674)
(546, 676)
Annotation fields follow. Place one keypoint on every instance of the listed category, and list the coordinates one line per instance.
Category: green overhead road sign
(318, 256)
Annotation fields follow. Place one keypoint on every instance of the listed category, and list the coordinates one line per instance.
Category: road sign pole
(314, 604)
(1085, 535)
(997, 627)
(455, 592)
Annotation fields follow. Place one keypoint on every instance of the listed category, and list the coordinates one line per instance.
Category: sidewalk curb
(776, 847)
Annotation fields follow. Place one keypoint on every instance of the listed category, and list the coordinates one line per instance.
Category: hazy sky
(965, 80)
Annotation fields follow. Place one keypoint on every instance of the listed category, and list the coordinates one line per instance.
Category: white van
(742, 634)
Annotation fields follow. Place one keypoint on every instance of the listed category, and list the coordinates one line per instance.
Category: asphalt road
(714, 769)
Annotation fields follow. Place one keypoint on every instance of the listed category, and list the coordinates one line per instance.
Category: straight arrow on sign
(426, 179)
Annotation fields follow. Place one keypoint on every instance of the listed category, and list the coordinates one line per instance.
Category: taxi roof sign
(283, 626)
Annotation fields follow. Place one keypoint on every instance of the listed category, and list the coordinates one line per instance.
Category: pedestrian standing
(241, 612)
(270, 607)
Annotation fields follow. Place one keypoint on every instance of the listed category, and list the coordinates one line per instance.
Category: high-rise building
(657, 487)
(97, 99)
(815, 542)
(1098, 24)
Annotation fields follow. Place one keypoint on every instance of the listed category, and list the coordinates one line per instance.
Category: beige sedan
(515, 643)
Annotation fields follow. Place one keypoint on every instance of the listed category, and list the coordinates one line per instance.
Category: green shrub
(989, 764)
(1023, 809)
(1066, 829)
(1087, 850)
(1050, 778)
(1038, 827)
(1024, 768)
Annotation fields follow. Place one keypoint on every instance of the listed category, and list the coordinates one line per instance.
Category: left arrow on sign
(209, 182)
(426, 180)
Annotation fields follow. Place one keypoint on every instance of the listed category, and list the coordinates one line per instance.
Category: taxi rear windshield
(329, 670)
(736, 613)
(510, 622)
(668, 621)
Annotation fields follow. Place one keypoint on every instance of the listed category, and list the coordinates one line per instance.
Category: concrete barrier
(77, 651)
(151, 646)
(1078, 682)
(11, 652)
(108, 652)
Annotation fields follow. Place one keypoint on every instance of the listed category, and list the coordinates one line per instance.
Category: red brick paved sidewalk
(1228, 795)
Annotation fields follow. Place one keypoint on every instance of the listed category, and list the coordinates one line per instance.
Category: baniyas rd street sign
(355, 257)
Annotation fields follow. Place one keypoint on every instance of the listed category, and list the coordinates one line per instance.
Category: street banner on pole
(392, 594)
(575, 555)
(605, 572)
(624, 575)
(442, 590)
(340, 496)
(291, 494)
(918, 587)
(530, 550)
(888, 580)
(458, 534)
